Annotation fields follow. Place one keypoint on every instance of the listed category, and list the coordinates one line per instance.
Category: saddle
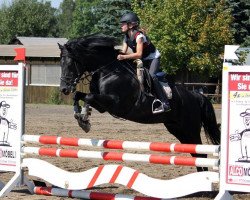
(147, 83)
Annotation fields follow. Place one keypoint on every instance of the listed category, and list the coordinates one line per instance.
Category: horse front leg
(103, 101)
(83, 96)
(82, 114)
(100, 102)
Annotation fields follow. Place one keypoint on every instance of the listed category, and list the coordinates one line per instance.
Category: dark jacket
(148, 47)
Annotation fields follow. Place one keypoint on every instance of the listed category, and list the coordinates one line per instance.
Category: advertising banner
(239, 128)
(11, 89)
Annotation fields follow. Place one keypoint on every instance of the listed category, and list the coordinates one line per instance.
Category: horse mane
(91, 45)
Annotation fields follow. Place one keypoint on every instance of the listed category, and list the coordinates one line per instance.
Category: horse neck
(100, 60)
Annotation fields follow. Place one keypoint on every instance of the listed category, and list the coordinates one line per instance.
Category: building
(43, 66)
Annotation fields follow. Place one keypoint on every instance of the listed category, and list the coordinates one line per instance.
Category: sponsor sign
(239, 128)
(235, 146)
(11, 93)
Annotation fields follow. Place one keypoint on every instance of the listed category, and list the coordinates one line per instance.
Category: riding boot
(163, 81)
(167, 89)
(161, 104)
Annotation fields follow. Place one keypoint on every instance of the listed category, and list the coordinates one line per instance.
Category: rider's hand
(121, 57)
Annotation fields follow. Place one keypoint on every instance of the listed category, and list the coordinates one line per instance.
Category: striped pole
(83, 194)
(120, 156)
(125, 145)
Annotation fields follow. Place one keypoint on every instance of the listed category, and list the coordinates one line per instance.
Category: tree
(65, 17)
(110, 12)
(27, 18)
(189, 34)
(84, 18)
(241, 24)
(98, 16)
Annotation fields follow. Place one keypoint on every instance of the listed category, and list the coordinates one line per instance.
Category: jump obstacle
(70, 186)
(116, 173)
(14, 156)
(124, 145)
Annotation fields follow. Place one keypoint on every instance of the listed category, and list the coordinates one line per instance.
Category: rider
(142, 49)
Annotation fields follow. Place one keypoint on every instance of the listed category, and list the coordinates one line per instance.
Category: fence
(211, 90)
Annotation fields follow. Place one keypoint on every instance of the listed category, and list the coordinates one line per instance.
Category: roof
(46, 51)
(27, 41)
(35, 47)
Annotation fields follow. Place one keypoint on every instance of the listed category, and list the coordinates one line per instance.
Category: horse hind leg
(197, 140)
(209, 122)
(200, 169)
(186, 137)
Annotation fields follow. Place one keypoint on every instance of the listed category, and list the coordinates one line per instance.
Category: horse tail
(209, 122)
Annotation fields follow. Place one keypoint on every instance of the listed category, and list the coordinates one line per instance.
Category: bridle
(69, 80)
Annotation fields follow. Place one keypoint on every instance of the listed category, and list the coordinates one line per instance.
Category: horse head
(71, 69)
(82, 55)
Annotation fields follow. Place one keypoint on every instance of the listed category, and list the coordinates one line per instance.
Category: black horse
(114, 88)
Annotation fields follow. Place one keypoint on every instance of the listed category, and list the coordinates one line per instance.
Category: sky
(54, 3)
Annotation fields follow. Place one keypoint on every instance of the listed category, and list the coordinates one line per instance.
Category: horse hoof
(85, 126)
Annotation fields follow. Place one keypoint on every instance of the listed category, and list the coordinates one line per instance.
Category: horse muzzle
(68, 90)
(67, 87)
(65, 91)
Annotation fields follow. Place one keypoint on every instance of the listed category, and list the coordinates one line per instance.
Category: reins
(86, 75)
(96, 71)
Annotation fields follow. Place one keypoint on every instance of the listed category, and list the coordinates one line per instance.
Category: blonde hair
(143, 30)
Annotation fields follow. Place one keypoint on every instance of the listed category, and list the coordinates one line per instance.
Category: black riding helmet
(130, 18)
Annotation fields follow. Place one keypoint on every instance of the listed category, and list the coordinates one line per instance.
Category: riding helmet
(130, 18)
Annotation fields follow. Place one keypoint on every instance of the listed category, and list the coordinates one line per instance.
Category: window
(48, 75)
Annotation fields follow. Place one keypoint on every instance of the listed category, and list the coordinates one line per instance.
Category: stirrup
(158, 109)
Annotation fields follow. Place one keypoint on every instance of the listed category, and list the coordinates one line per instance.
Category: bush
(55, 97)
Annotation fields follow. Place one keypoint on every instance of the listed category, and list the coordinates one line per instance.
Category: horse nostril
(62, 89)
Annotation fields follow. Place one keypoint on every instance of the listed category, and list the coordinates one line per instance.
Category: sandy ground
(58, 120)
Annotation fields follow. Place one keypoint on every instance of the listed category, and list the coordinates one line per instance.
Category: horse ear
(60, 46)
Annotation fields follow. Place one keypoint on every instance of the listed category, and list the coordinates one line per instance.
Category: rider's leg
(139, 71)
(160, 93)
(154, 66)
(161, 77)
